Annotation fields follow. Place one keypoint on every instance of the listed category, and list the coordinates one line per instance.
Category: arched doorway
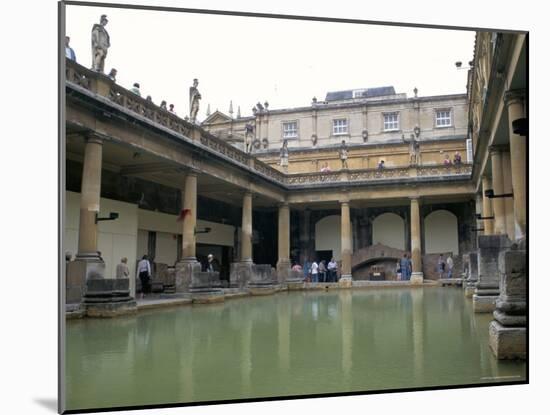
(389, 229)
(441, 232)
(328, 235)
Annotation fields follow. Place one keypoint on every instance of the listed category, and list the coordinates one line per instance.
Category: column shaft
(346, 240)
(89, 197)
(284, 233)
(487, 207)
(190, 217)
(246, 235)
(498, 188)
(508, 201)
(416, 254)
(518, 164)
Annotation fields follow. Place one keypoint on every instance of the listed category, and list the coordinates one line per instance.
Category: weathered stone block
(513, 275)
(507, 342)
(240, 274)
(417, 278)
(484, 304)
(185, 270)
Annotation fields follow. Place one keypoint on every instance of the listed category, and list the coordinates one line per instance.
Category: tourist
(331, 267)
(297, 268)
(325, 168)
(135, 89)
(441, 266)
(322, 271)
(450, 266)
(405, 267)
(112, 74)
(212, 264)
(398, 270)
(314, 272)
(163, 105)
(457, 159)
(307, 270)
(122, 270)
(447, 161)
(171, 109)
(381, 165)
(69, 52)
(144, 273)
(149, 98)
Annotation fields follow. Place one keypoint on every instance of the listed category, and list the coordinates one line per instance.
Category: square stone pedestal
(484, 303)
(108, 297)
(186, 269)
(240, 274)
(417, 278)
(77, 273)
(507, 342)
(283, 271)
(345, 281)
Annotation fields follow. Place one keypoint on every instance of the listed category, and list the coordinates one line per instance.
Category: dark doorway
(323, 255)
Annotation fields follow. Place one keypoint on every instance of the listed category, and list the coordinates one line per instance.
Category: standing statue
(100, 44)
(343, 152)
(248, 136)
(194, 97)
(284, 155)
(414, 150)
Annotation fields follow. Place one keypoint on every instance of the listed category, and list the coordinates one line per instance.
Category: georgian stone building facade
(376, 124)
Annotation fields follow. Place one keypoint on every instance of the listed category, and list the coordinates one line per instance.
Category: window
(391, 121)
(443, 118)
(359, 93)
(290, 129)
(340, 126)
(469, 150)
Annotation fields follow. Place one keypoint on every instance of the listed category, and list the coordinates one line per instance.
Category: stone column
(471, 281)
(487, 286)
(417, 276)
(498, 189)
(90, 194)
(508, 201)
(507, 332)
(246, 229)
(190, 217)
(283, 263)
(345, 278)
(305, 236)
(515, 102)
(487, 207)
(188, 266)
(241, 272)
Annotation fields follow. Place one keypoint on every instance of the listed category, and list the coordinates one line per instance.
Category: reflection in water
(286, 344)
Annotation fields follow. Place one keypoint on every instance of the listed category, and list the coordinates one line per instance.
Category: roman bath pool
(290, 343)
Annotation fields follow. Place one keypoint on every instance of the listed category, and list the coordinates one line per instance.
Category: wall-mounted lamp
(112, 216)
(520, 126)
(489, 193)
(205, 230)
(479, 217)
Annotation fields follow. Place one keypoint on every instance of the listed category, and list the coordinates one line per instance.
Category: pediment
(217, 117)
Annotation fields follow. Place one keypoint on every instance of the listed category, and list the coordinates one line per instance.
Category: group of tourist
(404, 268)
(445, 267)
(318, 271)
(456, 161)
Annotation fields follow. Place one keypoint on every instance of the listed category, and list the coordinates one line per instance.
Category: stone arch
(328, 235)
(389, 229)
(441, 232)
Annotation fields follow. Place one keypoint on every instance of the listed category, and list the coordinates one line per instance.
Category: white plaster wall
(115, 239)
(389, 229)
(142, 242)
(166, 248)
(328, 235)
(441, 232)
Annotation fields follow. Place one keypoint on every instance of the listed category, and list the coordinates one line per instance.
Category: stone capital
(283, 205)
(498, 149)
(514, 96)
(93, 138)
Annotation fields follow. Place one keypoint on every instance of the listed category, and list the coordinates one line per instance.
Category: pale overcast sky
(249, 59)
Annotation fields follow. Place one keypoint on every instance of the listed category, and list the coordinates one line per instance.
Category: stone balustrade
(77, 75)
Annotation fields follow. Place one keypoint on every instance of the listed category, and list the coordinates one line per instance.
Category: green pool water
(286, 344)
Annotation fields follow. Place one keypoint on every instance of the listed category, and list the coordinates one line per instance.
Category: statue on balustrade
(248, 136)
(194, 98)
(100, 44)
(343, 152)
(414, 147)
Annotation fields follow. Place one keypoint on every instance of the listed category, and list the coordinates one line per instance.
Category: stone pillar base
(417, 278)
(469, 291)
(108, 297)
(484, 303)
(283, 270)
(240, 274)
(507, 342)
(207, 296)
(78, 272)
(185, 270)
(345, 281)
